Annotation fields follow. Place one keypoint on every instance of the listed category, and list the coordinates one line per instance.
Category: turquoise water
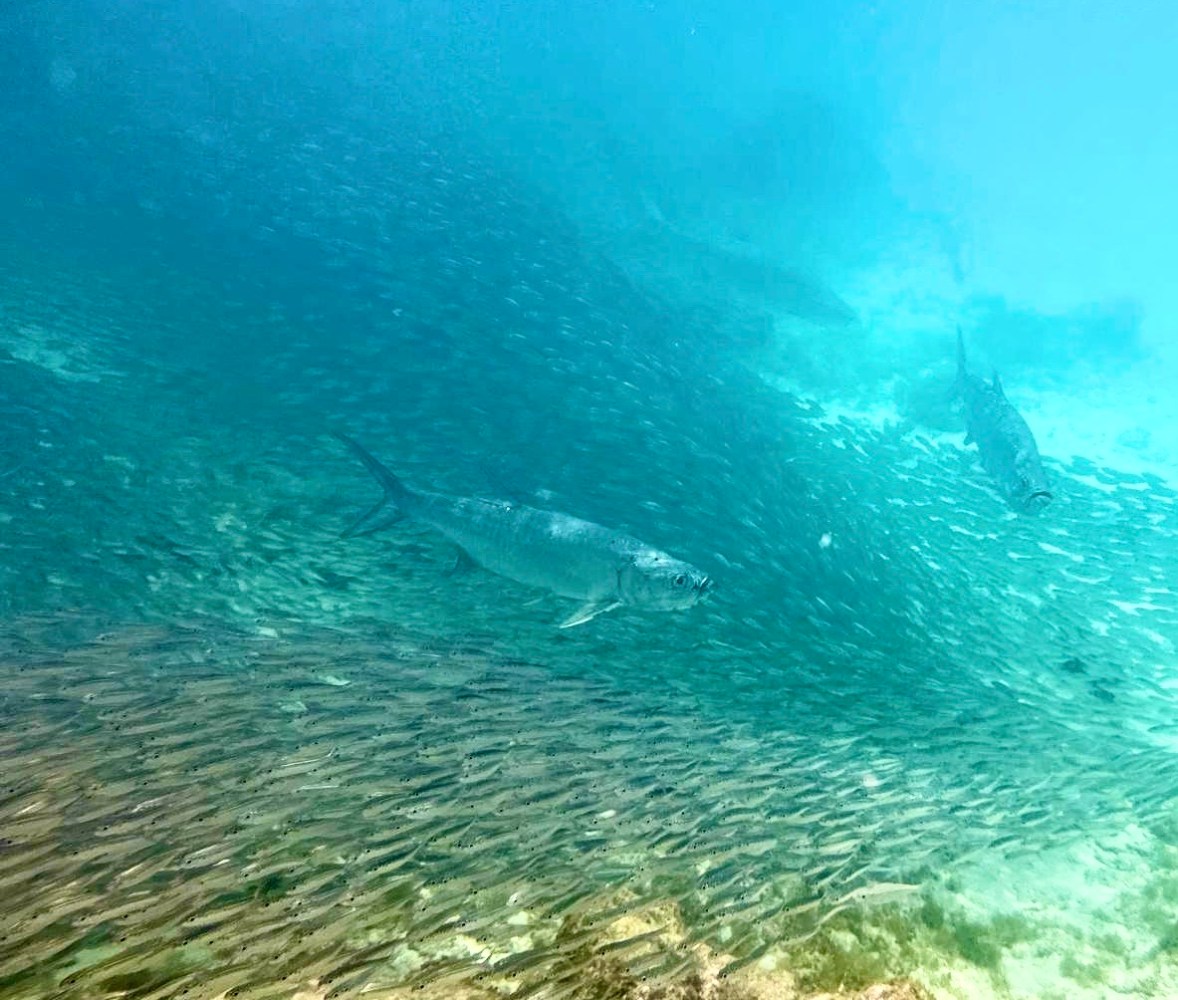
(911, 738)
(940, 691)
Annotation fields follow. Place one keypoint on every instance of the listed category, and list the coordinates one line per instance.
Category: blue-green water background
(550, 252)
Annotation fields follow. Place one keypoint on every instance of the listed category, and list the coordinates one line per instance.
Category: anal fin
(462, 564)
(589, 611)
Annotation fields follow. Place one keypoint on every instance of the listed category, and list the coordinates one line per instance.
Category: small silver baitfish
(601, 568)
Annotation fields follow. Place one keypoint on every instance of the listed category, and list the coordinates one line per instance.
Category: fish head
(1029, 491)
(653, 579)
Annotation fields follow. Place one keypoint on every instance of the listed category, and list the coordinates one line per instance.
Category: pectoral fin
(588, 611)
(969, 437)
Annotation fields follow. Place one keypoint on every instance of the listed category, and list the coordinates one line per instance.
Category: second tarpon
(1005, 442)
(569, 557)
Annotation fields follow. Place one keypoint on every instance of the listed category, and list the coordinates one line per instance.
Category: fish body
(1005, 443)
(565, 555)
(878, 894)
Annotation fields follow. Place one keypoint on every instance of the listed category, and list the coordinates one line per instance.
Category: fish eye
(680, 580)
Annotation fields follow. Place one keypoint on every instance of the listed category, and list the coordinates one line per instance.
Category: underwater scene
(614, 501)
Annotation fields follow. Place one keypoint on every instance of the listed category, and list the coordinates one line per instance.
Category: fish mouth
(1038, 500)
(705, 586)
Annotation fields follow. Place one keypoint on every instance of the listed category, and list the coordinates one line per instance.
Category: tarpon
(1005, 442)
(569, 557)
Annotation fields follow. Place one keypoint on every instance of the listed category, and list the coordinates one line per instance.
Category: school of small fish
(271, 754)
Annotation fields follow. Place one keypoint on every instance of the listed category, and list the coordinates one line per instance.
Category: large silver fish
(1005, 442)
(603, 569)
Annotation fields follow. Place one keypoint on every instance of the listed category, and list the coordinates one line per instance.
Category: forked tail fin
(395, 493)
